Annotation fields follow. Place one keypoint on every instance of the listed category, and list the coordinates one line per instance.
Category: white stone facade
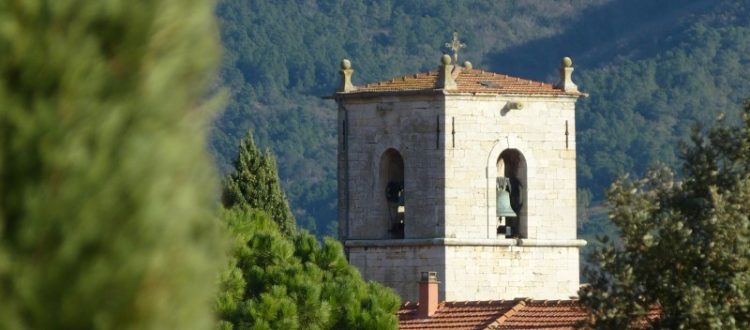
(472, 269)
(450, 144)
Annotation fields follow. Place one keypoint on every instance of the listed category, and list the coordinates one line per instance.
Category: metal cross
(455, 45)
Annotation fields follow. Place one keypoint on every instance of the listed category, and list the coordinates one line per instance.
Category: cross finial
(455, 45)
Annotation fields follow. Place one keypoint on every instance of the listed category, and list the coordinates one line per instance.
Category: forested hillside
(653, 68)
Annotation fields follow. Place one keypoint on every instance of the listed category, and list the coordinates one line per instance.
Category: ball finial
(567, 62)
(445, 59)
(346, 64)
(468, 65)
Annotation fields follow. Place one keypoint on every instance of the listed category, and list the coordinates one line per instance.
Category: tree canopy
(684, 245)
(275, 282)
(282, 278)
(255, 184)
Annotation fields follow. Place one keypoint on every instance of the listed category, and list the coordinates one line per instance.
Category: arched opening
(511, 194)
(392, 183)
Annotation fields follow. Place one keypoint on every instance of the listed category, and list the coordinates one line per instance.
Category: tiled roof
(468, 81)
(466, 315)
(517, 314)
(549, 315)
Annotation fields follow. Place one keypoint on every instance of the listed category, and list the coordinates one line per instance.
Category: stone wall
(485, 127)
(472, 269)
(408, 125)
(450, 145)
(398, 267)
(491, 272)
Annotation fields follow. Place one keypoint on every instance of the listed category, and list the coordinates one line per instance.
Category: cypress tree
(107, 196)
(684, 246)
(255, 184)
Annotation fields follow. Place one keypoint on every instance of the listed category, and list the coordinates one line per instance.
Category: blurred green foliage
(684, 245)
(107, 193)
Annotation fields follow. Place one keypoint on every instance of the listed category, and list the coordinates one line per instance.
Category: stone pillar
(346, 77)
(566, 74)
(445, 79)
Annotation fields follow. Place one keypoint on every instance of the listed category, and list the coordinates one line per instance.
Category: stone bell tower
(461, 171)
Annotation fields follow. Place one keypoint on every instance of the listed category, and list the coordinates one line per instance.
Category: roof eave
(567, 95)
(374, 94)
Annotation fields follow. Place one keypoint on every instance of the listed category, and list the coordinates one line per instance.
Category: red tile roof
(466, 315)
(516, 314)
(468, 81)
(539, 314)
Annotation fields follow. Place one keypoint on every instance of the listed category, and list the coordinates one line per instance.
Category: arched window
(392, 184)
(511, 194)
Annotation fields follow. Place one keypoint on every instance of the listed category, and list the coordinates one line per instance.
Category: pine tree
(107, 197)
(685, 246)
(274, 282)
(255, 184)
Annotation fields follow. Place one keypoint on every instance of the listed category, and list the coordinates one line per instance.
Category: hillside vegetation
(653, 69)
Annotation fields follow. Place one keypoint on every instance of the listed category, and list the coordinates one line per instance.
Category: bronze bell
(503, 198)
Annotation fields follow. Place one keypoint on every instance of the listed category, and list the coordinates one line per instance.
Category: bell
(503, 198)
(503, 204)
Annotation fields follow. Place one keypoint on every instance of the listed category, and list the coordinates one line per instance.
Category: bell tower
(461, 171)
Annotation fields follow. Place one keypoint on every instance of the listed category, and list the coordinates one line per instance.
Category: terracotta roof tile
(548, 315)
(516, 314)
(466, 315)
(468, 81)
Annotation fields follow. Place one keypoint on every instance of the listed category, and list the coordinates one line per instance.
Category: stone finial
(445, 79)
(467, 65)
(566, 73)
(445, 59)
(346, 76)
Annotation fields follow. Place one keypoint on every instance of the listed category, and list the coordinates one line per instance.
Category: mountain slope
(282, 55)
(653, 69)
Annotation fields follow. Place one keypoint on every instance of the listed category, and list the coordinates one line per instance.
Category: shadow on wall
(392, 183)
(511, 171)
